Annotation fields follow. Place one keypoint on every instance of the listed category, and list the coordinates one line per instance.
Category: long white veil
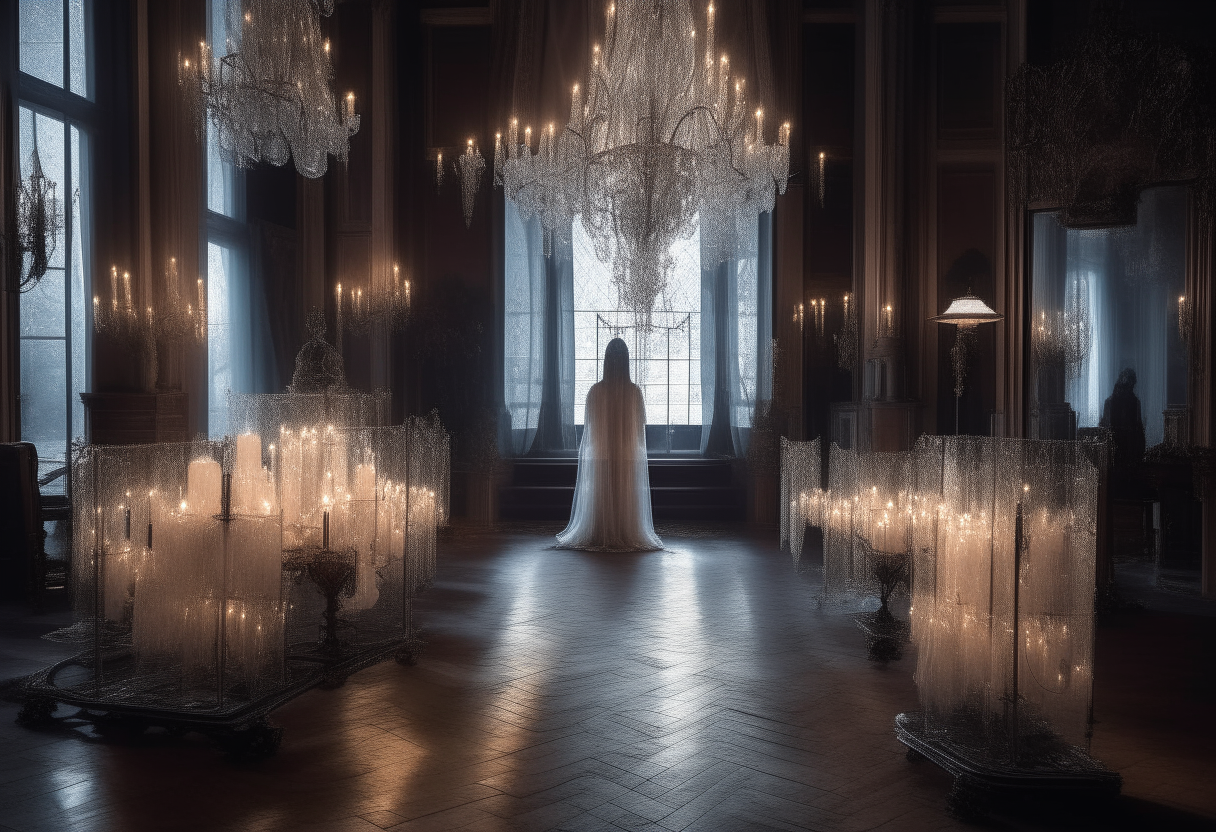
(611, 510)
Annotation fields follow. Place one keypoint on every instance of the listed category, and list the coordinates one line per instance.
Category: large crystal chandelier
(269, 95)
(660, 134)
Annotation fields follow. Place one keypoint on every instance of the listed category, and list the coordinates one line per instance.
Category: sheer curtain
(736, 339)
(523, 327)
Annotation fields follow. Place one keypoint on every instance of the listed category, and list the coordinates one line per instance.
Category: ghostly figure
(611, 510)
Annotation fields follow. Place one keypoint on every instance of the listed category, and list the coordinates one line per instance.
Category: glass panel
(80, 285)
(41, 34)
(43, 308)
(44, 400)
(1106, 334)
(219, 341)
(666, 361)
(78, 63)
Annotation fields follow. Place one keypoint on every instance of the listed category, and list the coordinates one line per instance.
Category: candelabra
(29, 239)
(179, 320)
(385, 303)
(121, 319)
(818, 314)
(176, 319)
(269, 98)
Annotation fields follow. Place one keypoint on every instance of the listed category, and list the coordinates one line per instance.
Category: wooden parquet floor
(699, 688)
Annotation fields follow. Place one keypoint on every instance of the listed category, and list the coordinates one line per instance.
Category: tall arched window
(55, 116)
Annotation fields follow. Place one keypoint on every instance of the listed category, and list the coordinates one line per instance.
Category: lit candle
(114, 287)
(528, 138)
(126, 291)
(204, 482)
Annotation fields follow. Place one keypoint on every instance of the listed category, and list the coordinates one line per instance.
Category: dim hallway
(702, 687)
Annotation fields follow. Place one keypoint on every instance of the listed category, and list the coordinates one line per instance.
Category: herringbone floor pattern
(699, 688)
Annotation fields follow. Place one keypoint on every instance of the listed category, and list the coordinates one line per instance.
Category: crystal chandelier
(1062, 338)
(269, 96)
(30, 238)
(660, 135)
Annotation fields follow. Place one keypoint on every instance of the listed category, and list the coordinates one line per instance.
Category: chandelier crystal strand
(472, 165)
(659, 135)
(268, 94)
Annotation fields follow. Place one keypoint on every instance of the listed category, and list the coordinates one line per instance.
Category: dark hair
(616, 361)
(1127, 378)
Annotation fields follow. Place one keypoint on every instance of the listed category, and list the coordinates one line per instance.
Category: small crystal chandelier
(1062, 338)
(269, 95)
(660, 134)
(30, 238)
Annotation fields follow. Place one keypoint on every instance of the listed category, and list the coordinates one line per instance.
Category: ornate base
(239, 725)
(982, 782)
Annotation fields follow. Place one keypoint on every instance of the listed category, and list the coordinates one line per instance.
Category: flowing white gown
(611, 510)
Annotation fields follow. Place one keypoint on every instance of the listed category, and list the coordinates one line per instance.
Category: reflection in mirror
(1106, 342)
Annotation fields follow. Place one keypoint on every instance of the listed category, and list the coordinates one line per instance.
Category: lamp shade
(967, 311)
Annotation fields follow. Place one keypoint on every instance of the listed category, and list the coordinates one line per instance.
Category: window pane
(666, 361)
(219, 338)
(221, 178)
(41, 33)
(221, 172)
(78, 64)
(44, 398)
(80, 288)
(43, 308)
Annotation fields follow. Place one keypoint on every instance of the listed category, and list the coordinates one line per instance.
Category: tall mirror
(1109, 319)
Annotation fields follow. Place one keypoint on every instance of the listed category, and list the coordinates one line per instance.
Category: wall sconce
(822, 181)
(886, 322)
(846, 339)
(1184, 320)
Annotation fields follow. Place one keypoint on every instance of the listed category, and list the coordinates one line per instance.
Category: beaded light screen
(215, 573)
(802, 497)
(866, 517)
(1004, 537)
